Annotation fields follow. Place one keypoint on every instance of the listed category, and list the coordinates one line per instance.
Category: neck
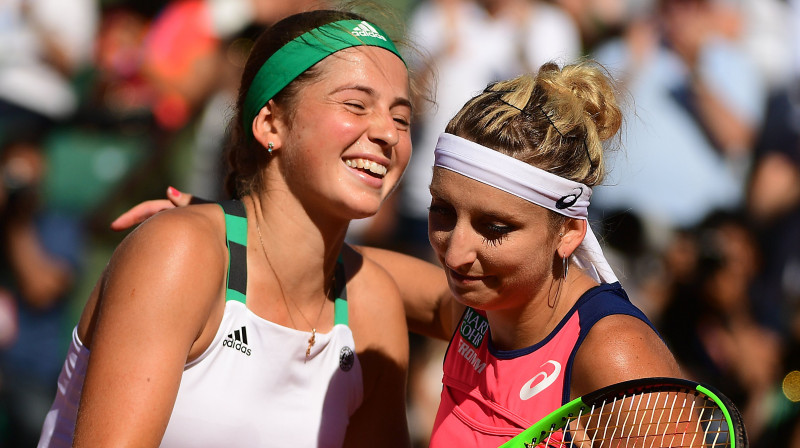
(525, 325)
(302, 251)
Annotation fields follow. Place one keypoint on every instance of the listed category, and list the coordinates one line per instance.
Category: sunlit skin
(358, 109)
(170, 272)
(502, 255)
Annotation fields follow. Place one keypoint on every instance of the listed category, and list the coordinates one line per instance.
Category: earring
(565, 260)
(270, 147)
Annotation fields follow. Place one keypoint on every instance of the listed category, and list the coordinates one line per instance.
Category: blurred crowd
(104, 103)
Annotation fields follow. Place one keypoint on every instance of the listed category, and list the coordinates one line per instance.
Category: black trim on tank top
(237, 268)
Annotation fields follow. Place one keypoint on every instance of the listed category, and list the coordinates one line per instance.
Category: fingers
(141, 212)
(178, 198)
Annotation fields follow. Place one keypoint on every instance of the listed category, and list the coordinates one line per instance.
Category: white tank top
(253, 386)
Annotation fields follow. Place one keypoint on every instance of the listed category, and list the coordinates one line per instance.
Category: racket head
(641, 413)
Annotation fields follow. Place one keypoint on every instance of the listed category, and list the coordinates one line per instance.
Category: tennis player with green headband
(250, 322)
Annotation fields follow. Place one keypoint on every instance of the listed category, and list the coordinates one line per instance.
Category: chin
(363, 205)
(472, 299)
(361, 210)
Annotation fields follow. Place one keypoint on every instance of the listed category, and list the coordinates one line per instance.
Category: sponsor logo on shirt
(471, 356)
(542, 381)
(473, 327)
(238, 341)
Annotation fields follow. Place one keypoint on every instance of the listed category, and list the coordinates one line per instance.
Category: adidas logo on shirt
(238, 341)
(366, 30)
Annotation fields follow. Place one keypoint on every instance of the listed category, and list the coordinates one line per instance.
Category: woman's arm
(429, 306)
(381, 338)
(148, 310)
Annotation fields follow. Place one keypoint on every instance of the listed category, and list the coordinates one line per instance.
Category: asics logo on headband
(568, 200)
(364, 29)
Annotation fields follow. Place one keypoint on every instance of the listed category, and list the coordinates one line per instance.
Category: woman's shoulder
(181, 245)
(191, 230)
(168, 268)
(620, 347)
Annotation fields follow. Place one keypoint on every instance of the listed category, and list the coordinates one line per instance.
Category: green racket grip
(555, 419)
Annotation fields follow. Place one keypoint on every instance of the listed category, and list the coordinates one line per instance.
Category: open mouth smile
(369, 167)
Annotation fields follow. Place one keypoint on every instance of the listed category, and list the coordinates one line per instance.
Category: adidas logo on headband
(364, 29)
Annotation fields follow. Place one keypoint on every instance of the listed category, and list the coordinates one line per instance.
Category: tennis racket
(642, 413)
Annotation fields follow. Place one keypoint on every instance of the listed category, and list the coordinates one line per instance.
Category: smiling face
(347, 143)
(497, 249)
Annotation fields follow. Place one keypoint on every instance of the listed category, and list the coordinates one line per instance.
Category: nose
(383, 130)
(460, 249)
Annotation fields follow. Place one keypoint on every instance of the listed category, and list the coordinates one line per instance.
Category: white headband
(535, 185)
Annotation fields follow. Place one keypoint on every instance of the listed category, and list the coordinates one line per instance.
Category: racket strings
(644, 420)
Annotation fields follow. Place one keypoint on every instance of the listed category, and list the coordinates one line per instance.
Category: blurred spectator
(709, 320)
(43, 45)
(211, 37)
(698, 102)
(119, 92)
(38, 267)
(601, 20)
(206, 174)
(774, 203)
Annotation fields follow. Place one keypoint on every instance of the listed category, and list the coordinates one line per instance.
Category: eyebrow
(398, 101)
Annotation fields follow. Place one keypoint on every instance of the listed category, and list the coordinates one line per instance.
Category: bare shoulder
(175, 244)
(173, 261)
(618, 348)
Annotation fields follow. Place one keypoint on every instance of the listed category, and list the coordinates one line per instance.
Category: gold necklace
(313, 339)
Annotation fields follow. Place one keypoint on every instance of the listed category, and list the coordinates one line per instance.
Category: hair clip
(592, 163)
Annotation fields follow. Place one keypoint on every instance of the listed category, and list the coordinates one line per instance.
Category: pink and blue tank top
(490, 395)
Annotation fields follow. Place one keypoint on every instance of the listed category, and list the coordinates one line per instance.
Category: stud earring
(270, 147)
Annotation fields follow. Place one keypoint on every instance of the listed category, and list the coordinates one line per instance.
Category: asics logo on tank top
(568, 200)
(542, 379)
(238, 341)
(364, 29)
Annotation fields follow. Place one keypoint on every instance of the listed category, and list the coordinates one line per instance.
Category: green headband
(297, 56)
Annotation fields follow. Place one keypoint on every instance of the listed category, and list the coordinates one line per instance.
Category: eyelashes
(492, 233)
(495, 234)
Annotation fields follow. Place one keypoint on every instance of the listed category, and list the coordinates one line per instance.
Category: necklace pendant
(311, 341)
